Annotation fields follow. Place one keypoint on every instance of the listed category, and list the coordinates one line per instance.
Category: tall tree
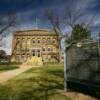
(7, 22)
(2, 54)
(70, 18)
(79, 32)
(99, 36)
(54, 21)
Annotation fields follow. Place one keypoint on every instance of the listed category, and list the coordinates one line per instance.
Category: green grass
(35, 84)
(10, 63)
(7, 67)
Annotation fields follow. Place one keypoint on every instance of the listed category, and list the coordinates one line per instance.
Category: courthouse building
(38, 42)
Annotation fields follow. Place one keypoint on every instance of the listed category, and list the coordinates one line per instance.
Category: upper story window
(49, 49)
(38, 41)
(18, 40)
(54, 41)
(23, 40)
(28, 41)
(33, 41)
(27, 50)
(48, 40)
(18, 43)
(44, 40)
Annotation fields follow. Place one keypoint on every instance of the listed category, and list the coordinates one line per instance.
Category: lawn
(36, 84)
(8, 67)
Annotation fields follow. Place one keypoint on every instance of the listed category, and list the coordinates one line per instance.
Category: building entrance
(36, 52)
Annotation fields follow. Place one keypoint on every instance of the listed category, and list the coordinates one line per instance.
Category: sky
(28, 11)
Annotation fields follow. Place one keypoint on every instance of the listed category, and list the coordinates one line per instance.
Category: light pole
(98, 50)
(65, 65)
(65, 69)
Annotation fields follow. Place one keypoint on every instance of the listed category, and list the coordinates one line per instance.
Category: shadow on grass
(88, 88)
(43, 87)
(57, 73)
(84, 87)
(81, 86)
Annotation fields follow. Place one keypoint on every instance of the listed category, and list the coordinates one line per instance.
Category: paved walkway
(4, 76)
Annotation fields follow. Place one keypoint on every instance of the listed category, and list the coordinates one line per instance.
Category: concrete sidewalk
(4, 76)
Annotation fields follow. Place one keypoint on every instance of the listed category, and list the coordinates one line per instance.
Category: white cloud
(6, 44)
(26, 20)
(85, 4)
(67, 29)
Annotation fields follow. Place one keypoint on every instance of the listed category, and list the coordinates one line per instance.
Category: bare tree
(7, 22)
(71, 17)
(54, 21)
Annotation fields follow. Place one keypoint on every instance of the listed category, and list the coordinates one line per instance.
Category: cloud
(67, 30)
(27, 14)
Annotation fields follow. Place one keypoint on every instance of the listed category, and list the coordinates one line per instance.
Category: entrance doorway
(33, 52)
(36, 52)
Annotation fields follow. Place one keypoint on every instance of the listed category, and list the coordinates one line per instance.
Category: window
(43, 49)
(23, 42)
(49, 49)
(23, 39)
(33, 41)
(23, 54)
(38, 41)
(18, 40)
(27, 50)
(44, 40)
(48, 40)
(62, 57)
(33, 52)
(38, 53)
(54, 41)
(28, 41)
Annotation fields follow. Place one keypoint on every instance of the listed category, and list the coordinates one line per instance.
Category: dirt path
(79, 96)
(4, 76)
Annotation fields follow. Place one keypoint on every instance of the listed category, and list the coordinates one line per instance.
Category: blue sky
(28, 10)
